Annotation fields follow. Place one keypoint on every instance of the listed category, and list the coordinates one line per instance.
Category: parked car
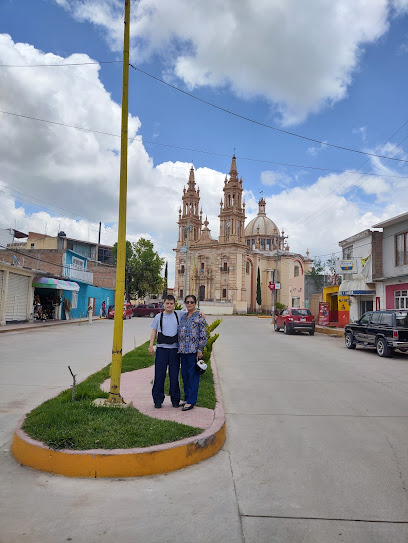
(149, 310)
(383, 330)
(294, 319)
(127, 311)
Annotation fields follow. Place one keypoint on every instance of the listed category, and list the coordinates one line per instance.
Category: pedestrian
(192, 338)
(164, 326)
(103, 309)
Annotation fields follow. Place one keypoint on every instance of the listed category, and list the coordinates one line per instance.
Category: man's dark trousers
(164, 358)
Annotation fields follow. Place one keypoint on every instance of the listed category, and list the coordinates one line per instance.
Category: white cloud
(299, 56)
(269, 178)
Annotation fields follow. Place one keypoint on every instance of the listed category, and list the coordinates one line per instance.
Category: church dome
(261, 221)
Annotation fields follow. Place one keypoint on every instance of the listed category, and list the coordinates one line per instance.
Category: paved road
(316, 450)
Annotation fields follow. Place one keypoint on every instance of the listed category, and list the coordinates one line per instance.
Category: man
(165, 325)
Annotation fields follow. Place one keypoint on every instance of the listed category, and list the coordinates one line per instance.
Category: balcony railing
(72, 272)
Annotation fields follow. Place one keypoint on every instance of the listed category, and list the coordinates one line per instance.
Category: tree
(145, 266)
(317, 272)
(165, 281)
(258, 288)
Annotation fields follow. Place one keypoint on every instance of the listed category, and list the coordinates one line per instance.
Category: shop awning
(356, 287)
(58, 284)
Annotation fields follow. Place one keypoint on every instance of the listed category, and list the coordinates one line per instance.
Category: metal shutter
(17, 297)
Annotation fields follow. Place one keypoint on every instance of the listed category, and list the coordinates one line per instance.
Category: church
(224, 272)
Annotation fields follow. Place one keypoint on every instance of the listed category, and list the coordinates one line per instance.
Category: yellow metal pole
(114, 393)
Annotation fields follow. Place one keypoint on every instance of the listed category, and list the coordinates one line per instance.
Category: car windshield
(302, 312)
(402, 319)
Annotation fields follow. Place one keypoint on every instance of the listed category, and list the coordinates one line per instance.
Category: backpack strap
(161, 320)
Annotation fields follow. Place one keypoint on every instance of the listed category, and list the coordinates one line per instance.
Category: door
(17, 297)
(361, 331)
(202, 293)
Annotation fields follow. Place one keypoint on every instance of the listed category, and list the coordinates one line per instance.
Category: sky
(304, 94)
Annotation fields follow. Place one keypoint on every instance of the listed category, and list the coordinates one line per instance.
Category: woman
(192, 338)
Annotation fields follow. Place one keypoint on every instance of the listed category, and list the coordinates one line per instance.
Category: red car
(294, 319)
(149, 310)
(127, 311)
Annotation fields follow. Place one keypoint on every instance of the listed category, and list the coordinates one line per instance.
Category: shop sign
(324, 308)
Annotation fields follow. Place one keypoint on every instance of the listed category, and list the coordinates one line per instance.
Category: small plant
(178, 306)
(210, 339)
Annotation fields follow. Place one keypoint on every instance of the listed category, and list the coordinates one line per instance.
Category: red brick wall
(48, 260)
(104, 275)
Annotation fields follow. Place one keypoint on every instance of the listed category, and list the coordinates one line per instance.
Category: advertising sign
(274, 286)
(324, 308)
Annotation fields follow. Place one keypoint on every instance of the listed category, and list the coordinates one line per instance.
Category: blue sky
(331, 71)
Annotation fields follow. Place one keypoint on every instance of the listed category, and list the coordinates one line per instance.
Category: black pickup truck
(384, 330)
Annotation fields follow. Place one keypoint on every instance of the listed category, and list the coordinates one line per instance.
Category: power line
(59, 65)
(259, 123)
(144, 141)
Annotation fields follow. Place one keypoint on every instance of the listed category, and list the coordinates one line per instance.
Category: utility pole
(275, 276)
(114, 393)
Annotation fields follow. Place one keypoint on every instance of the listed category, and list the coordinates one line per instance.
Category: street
(316, 449)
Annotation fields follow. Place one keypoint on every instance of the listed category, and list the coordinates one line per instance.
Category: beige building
(224, 271)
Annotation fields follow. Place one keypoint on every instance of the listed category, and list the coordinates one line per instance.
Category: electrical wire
(259, 123)
(59, 65)
(189, 149)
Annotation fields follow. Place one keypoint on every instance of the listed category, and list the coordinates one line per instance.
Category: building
(223, 273)
(64, 260)
(390, 267)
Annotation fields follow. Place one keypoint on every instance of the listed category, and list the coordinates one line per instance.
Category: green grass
(61, 423)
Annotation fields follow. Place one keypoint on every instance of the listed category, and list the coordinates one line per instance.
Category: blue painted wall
(89, 291)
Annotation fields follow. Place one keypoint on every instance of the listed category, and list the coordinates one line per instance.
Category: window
(268, 244)
(402, 319)
(301, 312)
(296, 301)
(401, 249)
(249, 243)
(386, 318)
(32, 246)
(224, 292)
(401, 299)
(227, 229)
(225, 266)
(296, 271)
(202, 265)
(263, 244)
(182, 268)
(253, 244)
(348, 252)
(365, 319)
(77, 263)
(181, 293)
(74, 301)
(375, 318)
(247, 267)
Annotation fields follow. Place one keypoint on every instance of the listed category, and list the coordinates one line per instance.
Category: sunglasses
(190, 302)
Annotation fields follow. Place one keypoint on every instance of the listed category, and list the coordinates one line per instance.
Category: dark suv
(384, 330)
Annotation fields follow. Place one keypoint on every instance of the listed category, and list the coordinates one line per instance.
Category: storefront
(48, 294)
(16, 294)
(362, 297)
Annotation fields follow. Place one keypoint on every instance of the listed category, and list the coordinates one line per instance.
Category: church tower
(189, 216)
(232, 210)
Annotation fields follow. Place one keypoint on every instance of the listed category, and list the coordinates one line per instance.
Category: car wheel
(382, 348)
(285, 329)
(349, 339)
(151, 314)
(276, 327)
(311, 332)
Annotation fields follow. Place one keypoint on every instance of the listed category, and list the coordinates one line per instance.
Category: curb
(124, 462)
(10, 328)
(330, 331)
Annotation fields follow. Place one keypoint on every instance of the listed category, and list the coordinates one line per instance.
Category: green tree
(317, 272)
(258, 288)
(144, 268)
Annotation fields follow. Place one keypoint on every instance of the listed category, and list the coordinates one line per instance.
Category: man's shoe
(175, 404)
(157, 405)
(188, 407)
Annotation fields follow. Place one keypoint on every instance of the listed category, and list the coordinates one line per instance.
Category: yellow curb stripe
(134, 463)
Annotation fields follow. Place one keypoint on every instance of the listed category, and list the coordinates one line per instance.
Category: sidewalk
(29, 326)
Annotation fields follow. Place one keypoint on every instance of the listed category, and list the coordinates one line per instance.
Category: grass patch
(63, 424)
(206, 391)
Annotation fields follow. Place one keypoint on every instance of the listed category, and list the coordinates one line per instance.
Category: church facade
(225, 271)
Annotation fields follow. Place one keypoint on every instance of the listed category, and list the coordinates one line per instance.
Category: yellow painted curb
(124, 462)
(329, 331)
(117, 462)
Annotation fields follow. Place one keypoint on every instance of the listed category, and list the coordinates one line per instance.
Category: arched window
(247, 267)
(296, 271)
